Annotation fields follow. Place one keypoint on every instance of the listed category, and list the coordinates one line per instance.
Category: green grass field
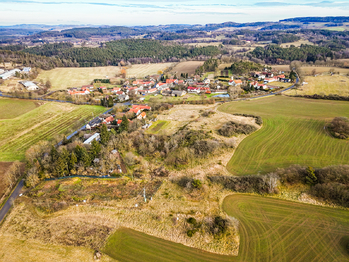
(270, 230)
(11, 108)
(278, 230)
(129, 245)
(42, 123)
(292, 133)
(158, 126)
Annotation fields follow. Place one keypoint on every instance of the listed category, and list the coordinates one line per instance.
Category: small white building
(26, 69)
(96, 137)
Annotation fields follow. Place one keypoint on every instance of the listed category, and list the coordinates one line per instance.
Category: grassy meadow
(42, 123)
(63, 78)
(323, 85)
(11, 108)
(292, 133)
(31, 251)
(158, 126)
(129, 245)
(280, 230)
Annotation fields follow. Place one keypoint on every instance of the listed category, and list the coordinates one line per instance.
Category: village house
(236, 82)
(94, 123)
(192, 89)
(108, 120)
(123, 98)
(141, 116)
(116, 89)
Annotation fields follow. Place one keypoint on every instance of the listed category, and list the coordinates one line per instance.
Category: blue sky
(155, 12)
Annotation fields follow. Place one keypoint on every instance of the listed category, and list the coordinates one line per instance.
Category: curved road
(11, 199)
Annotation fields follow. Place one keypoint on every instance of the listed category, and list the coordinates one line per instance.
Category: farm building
(30, 86)
(178, 93)
(26, 69)
(96, 137)
(9, 74)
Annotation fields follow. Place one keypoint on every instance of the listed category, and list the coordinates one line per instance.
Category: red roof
(192, 88)
(119, 93)
(169, 81)
(141, 107)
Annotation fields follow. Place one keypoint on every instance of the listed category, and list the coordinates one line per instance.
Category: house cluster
(264, 78)
(268, 77)
(111, 120)
(7, 74)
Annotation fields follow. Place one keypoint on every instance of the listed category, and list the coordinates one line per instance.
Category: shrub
(191, 220)
(191, 232)
(196, 183)
(219, 226)
(231, 128)
(339, 127)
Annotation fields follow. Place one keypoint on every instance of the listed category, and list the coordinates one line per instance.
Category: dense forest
(32, 60)
(307, 53)
(133, 50)
(326, 19)
(87, 32)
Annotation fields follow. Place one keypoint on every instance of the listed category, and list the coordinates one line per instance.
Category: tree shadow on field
(344, 243)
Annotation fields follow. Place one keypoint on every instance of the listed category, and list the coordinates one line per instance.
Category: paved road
(11, 199)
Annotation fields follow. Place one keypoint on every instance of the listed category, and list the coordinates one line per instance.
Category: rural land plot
(11, 108)
(31, 250)
(323, 85)
(279, 230)
(292, 133)
(63, 78)
(142, 70)
(187, 67)
(42, 123)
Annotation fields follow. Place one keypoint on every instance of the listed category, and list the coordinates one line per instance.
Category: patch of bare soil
(72, 230)
(187, 67)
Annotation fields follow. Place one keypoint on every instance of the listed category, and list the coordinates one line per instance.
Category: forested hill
(308, 53)
(326, 19)
(33, 60)
(86, 32)
(132, 50)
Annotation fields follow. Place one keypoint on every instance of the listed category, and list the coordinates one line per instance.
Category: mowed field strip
(292, 133)
(42, 123)
(279, 230)
(131, 246)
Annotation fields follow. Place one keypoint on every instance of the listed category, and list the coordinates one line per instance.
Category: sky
(155, 12)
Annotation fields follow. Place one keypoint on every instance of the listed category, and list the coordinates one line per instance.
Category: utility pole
(145, 198)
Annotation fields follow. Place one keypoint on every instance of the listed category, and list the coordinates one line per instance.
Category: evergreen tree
(95, 149)
(110, 101)
(54, 154)
(61, 167)
(124, 124)
(311, 178)
(73, 161)
(104, 135)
